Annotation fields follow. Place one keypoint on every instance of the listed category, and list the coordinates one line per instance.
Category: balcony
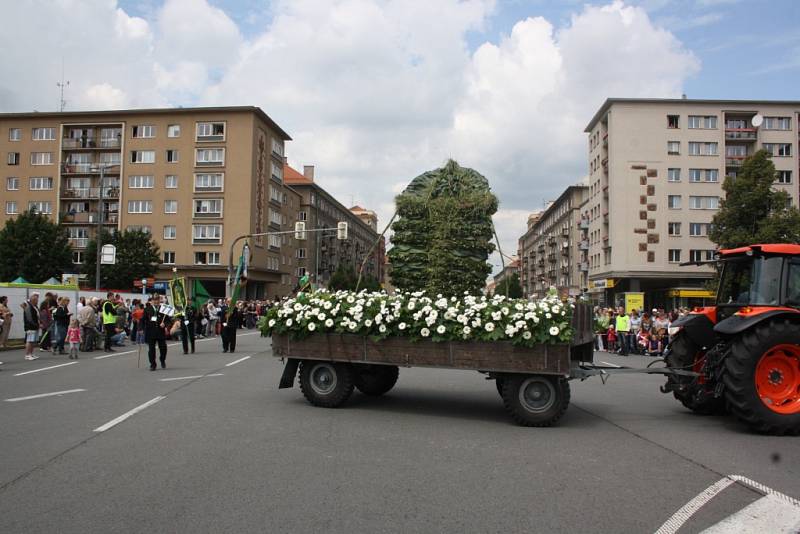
(79, 242)
(734, 161)
(584, 267)
(90, 193)
(584, 224)
(207, 215)
(91, 142)
(90, 168)
(583, 245)
(89, 217)
(740, 134)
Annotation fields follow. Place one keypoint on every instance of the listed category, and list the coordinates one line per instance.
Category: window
(277, 147)
(208, 207)
(277, 172)
(210, 131)
(272, 264)
(208, 182)
(15, 134)
(138, 228)
(302, 216)
(11, 207)
(171, 181)
(674, 228)
(784, 177)
(40, 183)
(143, 131)
(701, 255)
(140, 182)
(703, 175)
(673, 147)
(173, 130)
(207, 233)
(301, 271)
(41, 158)
(707, 122)
(12, 183)
(170, 232)
(699, 229)
(170, 206)
(77, 256)
(213, 258)
(40, 207)
(172, 156)
(13, 158)
(777, 123)
(274, 241)
(673, 175)
(169, 257)
(674, 202)
(143, 156)
(275, 217)
(673, 121)
(43, 134)
(674, 255)
(703, 203)
(140, 206)
(702, 149)
(274, 193)
(778, 149)
(209, 157)
(301, 253)
(206, 258)
(110, 158)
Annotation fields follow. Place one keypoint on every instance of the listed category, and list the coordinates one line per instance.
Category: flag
(177, 292)
(199, 294)
(238, 282)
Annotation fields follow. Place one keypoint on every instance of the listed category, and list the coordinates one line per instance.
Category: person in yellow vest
(109, 312)
(623, 327)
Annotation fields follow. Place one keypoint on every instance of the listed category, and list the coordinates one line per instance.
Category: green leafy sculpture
(442, 236)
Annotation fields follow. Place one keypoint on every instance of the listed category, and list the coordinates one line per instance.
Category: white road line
(40, 395)
(768, 514)
(121, 418)
(188, 377)
(112, 354)
(45, 368)
(144, 346)
(611, 365)
(237, 361)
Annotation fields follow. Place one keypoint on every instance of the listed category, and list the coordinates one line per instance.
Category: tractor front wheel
(762, 377)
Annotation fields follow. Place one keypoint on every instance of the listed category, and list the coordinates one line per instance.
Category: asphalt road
(227, 451)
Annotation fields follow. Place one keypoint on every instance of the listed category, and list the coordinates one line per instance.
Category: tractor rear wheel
(693, 392)
(762, 377)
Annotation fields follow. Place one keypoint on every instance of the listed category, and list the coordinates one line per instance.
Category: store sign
(604, 283)
(691, 293)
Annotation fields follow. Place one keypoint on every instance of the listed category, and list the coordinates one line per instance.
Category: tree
(137, 258)
(442, 236)
(514, 286)
(345, 278)
(33, 247)
(753, 211)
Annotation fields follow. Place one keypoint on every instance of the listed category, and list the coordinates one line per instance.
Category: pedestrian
(623, 328)
(211, 327)
(636, 325)
(136, 321)
(187, 321)
(81, 304)
(30, 319)
(155, 325)
(109, 321)
(601, 322)
(231, 320)
(61, 320)
(74, 338)
(5, 317)
(87, 318)
(46, 325)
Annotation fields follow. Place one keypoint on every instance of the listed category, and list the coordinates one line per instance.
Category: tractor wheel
(375, 380)
(535, 400)
(326, 384)
(762, 377)
(692, 394)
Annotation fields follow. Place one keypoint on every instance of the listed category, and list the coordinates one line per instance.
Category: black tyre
(535, 400)
(326, 384)
(375, 380)
(762, 377)
(693, 392)
(499, 383)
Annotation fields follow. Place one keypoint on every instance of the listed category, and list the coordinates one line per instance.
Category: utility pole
(99, 239)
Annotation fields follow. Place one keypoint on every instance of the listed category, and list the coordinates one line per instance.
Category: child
(73, 338)
(612, 339)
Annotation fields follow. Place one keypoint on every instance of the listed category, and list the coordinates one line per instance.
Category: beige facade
(196, 178)
(552, 253)
(656, 169)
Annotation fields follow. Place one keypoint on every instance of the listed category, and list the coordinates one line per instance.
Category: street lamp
(99, 239)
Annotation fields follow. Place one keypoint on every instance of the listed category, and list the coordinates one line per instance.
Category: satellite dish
(757, 120)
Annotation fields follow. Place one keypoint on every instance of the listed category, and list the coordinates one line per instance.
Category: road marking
(188, 377)
(144, 346)
(40, 395)
(768, 514)
(237, 361)
(45, 368)
(679, 518)
(611, 365)
(111, 355)
(121, 418)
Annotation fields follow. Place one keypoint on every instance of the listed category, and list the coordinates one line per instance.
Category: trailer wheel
(326, 384)
(499, 383)
(762, 377)
(693, 392)
(375, 380)
(535, 400)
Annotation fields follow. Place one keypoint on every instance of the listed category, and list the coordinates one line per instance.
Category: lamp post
(99, 239)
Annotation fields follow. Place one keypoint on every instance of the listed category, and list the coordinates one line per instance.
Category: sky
(375, 92)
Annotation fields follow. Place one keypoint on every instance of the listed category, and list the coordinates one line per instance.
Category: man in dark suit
(155, 326)
(231, 320)
(187, 319)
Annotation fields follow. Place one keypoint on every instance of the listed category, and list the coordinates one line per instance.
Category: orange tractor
(745, 349)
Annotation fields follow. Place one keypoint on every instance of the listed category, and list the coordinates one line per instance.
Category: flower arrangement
(419, 317)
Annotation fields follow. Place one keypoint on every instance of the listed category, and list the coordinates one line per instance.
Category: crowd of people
(638, 332)
(112, 322)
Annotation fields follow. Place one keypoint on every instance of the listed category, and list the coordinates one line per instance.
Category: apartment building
(552, 251)
(323, 252)
(195, 178)
(656, 168)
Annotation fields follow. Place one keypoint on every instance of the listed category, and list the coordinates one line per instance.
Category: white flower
(353, 326)
(518, 306)
(535, 320)
(401, 326)
(368, 323)
(504, 310)
(311, 327)
(441, 329)
(489, 327)
(497, 315)
(271, 323)
(289, 322)
(425, 332)
(411, 305)
(526, 335)
(350, 299)
(378, 319)
(554, 330)
(556, 309)
(321, 316)
(548, 316)
(329, 323)
(382, 328)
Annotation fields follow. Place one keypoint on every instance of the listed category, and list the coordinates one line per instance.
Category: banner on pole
(177, 293)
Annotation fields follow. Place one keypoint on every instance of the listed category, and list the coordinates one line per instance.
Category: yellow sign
(634, 301)
(605, 283)
(691, 293)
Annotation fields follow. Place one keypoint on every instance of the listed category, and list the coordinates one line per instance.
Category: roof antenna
(62, 84)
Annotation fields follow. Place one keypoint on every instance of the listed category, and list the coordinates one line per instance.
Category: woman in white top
(211, 327)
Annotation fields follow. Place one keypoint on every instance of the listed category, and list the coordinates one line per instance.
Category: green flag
(200, 295)
(239, 281)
